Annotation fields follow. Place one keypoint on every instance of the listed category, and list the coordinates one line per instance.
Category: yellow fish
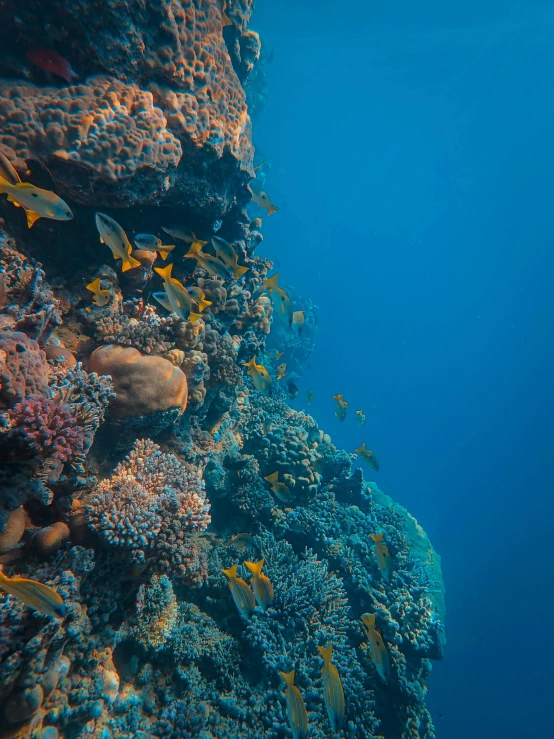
(115, 237)
(213, 266)
(36, 202)
(183, 235)
(310, 395)
(272, 283)
(282, 304)
(34, 594)
(101, 297)
(383, 556)
(262, 199)
(377, 648)
(332, 689)
(298, 320)
(228, 256)
(279, 489)
(261, 584)
(342, 407)
(175, 298)
(360, 418)
(368, 457)
(149, 242)
(275, 354)
(225, 20)
(241, 541)
(296, 710)
(281, 370)
(242, 595)
(260, 376)
(199, 297)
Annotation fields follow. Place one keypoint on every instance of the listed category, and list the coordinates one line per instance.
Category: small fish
(242, 595)
(310, 395)
(296, 710)
(281, 370)
(228, 256)
(213, 266)
(298, 320)
(39, 174)
(279, 489)
(332, 689)
(199, 297)
(175, 297)
(115, 237)
(368, 457)
(101, 297)
(51, 61)
(7, 171)
(360, 418)
(225, 20)
(383, 556)
(377, 648)
(274, 354)
(261, 164)
(34, 594)
(262, 199)
(242, 542)
(183, 235)
(260, 376)
(292, 389)
(36, 202)
(149, 242)
(342, 407)
(261, 584)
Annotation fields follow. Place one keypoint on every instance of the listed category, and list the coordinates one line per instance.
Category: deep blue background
(411, 150)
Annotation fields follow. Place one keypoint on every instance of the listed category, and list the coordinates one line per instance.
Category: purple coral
(48, 428)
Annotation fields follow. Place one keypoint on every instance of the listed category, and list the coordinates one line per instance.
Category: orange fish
(368, 457)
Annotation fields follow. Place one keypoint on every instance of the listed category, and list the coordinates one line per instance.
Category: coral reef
(134, 534)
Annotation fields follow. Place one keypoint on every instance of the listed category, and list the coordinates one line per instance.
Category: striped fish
(377, 647)
(34, 594)
(242, 595)
(383, 556)
(261, 584)
(296, 710)
(332, 688)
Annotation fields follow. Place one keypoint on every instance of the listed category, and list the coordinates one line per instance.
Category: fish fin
(288, 677)
(271, 209)
(94, 285)
(377, 538)
(32, 217)
(193, 317)
(273, 477)
(240, 271)
(167, 249)
(163, 300)
(326, 653)
(3, 183)
(368, 619)
(255, 567)
(164, 272)
(225, 20)
(231, 572)
(129, 263)
(203, 304)
(272, 283)
(360, 449)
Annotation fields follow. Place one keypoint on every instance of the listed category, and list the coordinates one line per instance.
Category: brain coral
(142, 384)
(23, 368)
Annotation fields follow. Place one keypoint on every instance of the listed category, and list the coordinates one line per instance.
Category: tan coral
(13, 531)
(142, 384)
(48, 540)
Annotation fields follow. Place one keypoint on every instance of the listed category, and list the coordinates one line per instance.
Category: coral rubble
(139, 458)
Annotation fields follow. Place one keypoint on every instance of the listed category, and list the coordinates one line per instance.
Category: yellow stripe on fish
(383, 556)
(261, 584)
(332, 689)
(296, 710)
(113, 235)
(242, 595)
(260, 376)
(34, 594)
(376, 646)
(176, 298)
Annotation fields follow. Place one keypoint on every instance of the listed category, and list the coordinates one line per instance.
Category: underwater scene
(275, 365)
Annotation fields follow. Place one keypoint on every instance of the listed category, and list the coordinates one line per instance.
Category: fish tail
(3, 183)
(288, 677)
(231, 572)
(272, 209)
(326, 653)
(255, 567)
(167, 249)
(377, 538)
(164, 272)
(193, 317)
(240, 271)
(129, 263)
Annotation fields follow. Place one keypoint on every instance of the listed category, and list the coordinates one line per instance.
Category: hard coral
(13, 530)
(47, 428)
(143, 384)
(23, 370)
(150, 507)
(138, 326)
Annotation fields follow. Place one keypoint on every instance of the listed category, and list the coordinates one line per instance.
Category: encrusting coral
(95, 362)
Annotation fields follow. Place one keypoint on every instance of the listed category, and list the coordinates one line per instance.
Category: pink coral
(49, 429)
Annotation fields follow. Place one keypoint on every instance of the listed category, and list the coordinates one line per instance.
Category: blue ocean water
(412, 157)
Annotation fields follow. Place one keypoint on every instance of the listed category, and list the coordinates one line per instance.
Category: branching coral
(138, 326)
(149, 508)
(156, 613)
